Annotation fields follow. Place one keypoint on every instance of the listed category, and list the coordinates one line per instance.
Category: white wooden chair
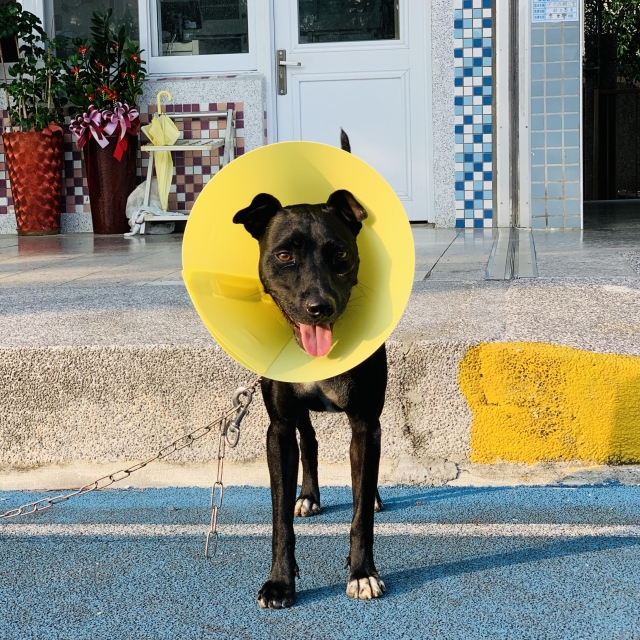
(188, 145)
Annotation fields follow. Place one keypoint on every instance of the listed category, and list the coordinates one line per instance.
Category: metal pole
(514, 98)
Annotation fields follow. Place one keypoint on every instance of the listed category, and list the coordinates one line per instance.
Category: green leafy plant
(35, 94)
(619, 18)
(105, 69)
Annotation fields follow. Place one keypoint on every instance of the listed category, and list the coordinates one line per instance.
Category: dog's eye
(341, 255)
(284, 256)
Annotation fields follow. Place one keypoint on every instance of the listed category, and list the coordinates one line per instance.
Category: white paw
(366, 588)
(306, 507)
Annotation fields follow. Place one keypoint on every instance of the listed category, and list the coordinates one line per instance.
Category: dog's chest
(317, 396)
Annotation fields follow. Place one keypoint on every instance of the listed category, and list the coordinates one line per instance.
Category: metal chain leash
(229, 435)
(229, 429)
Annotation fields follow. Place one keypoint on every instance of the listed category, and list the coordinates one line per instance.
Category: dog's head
(308, 260)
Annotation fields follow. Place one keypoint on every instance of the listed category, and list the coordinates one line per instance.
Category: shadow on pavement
(435, 495)
(408, 580)
(398, 503)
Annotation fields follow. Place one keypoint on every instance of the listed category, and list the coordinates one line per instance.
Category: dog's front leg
(364, 581)
(282, 455)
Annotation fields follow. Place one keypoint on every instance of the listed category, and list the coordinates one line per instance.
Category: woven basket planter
(110, 182)
(34, 161)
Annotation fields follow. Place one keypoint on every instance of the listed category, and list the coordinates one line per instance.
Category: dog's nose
(319, 308)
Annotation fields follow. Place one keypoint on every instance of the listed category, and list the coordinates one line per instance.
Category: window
(347, 20)
(73, 17)
(9, 47)
(206, 27)
(217, 35)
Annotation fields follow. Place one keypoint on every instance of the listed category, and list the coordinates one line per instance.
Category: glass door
(348, 64)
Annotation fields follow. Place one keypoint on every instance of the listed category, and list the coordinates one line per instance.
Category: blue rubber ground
(446, 588)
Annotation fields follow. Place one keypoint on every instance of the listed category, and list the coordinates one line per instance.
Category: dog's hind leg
(378, 505)
(282, 456)
(308, 502)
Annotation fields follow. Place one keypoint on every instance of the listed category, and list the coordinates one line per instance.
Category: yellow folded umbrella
(162, 132)
(220, 260)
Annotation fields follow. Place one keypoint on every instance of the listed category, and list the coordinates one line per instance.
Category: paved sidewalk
(554, 563)
(84, 260)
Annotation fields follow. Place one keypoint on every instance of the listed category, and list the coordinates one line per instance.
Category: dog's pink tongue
(316, 338)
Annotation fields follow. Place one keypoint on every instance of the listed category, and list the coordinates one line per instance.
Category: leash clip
(232, 428)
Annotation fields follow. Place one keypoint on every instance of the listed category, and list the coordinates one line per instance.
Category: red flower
(112, 94)
(101, 66)
(75, 71)
(91, 97)
(83, 50)
(133, 76)
(115, 45)
(123, 74)
(135, 58)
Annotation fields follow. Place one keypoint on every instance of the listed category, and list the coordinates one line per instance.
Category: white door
(363, 66)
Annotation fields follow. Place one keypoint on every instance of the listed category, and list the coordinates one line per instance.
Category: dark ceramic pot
(34, 162)
(110, 182)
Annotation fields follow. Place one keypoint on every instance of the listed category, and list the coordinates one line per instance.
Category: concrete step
(106, 374)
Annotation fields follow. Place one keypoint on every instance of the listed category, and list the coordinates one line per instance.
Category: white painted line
(341, 529)
(159, 283)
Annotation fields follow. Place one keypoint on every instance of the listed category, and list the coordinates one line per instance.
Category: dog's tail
(344, 141)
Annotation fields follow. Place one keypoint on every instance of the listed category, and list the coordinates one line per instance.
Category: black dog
(309, 265)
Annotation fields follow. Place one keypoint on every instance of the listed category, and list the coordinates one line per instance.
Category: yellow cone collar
(220, 260)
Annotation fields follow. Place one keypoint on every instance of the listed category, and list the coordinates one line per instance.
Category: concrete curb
(75, 413)
(113, 403)
(101, 375)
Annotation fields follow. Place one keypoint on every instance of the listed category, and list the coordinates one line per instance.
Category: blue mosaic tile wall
(473, 113)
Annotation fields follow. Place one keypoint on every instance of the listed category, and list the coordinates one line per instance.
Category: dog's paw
(276, 595)
(365, 588)
(378, 506)
(306, 506)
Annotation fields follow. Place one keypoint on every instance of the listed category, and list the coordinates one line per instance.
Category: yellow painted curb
(534, 402)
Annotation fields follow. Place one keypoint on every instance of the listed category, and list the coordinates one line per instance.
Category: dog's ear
(349, 210)
(258, 214)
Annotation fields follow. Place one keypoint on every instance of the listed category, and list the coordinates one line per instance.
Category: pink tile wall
(193, 169)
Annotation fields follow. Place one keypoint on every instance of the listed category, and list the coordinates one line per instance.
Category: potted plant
(104, 80)
(35, 96)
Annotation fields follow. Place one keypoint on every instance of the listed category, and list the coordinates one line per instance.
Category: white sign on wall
(555, 10)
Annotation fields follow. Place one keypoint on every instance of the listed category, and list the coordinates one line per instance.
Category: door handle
(282, 64)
